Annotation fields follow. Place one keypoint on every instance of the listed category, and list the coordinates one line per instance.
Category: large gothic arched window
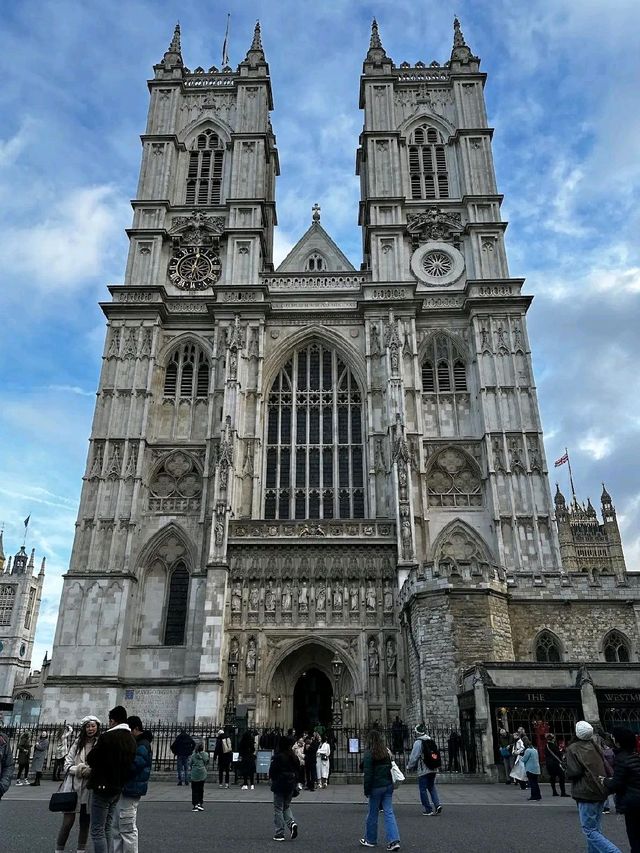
(427, 164)
(548, 648)
(315, 465)
(204, 178)
(176, 618)
(187, 374)
(616, 648)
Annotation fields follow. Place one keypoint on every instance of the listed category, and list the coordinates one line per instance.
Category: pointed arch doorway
(312, 700)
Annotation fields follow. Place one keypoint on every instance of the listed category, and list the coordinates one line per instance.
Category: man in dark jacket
(6, 764)
(110, 761)
(625, 784)
(182, 748)
(283, 773)
(585, 768)
(553, 762)
(125, 829)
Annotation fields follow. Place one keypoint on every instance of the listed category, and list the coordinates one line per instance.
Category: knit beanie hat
(90, 718)
(420, 730)
(584, 730)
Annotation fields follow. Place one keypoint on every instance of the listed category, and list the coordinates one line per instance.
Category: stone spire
(173, 55)
(2, 556)
(31, 564)
(605, 497)
(44, 560)
(255, 54)
(461, 52)
(376, 51)
(559, 497)
(175, 46)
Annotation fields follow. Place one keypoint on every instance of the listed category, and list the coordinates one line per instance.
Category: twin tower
(316, 493)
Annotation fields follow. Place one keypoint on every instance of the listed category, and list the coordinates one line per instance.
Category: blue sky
(562, 95)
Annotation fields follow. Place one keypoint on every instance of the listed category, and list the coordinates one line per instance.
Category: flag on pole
(562, 460)
(225, 51)
(26, 521)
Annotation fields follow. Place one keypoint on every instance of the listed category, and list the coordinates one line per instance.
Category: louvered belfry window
(187, 374)
(315, 464)
(443, 369)
(204, 178)
(428, 164)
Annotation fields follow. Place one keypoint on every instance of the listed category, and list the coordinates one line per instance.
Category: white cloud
(597, 446)
(13, 146)
(73, 389)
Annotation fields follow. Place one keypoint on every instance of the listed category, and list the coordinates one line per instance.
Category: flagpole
(26, 527)
(225, 44)
(573, 491)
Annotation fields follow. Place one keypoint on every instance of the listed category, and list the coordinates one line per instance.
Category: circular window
(23, 650)
(437, 264)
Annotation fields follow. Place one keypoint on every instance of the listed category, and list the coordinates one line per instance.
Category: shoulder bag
(64, 801)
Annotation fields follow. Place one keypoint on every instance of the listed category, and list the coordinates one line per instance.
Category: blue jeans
(282, 813)
(381, 798)
(427, 783)
(102, 809)
(182, 763)
(590, 818)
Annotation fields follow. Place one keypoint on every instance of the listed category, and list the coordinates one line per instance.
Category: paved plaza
(478, 818)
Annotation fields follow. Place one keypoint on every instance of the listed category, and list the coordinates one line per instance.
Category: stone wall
(482, 628)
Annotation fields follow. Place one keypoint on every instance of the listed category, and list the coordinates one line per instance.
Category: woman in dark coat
(24, 756)
(625, 783)
(247, 752)
(283, 773)
(553, 763)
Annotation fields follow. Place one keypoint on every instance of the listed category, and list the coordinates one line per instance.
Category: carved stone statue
(321, 599)
(388, 597)
(354, 598)
(251, 656)
(236, 597)
(234, 651)
(254, 597)
(337, 598)
(286, 596)
(371, 597)
(270, 599)
(391, 656)
(303, 596)
(374, 657)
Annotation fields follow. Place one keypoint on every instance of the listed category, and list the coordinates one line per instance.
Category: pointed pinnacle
(256, 44)
(375, 42)
(44, 560)
(458, 37)
(31, 564)
(174, 47)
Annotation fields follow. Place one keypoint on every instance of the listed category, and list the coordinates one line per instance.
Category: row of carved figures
(333, 595)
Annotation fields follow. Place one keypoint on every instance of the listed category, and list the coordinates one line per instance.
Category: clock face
(194, 268)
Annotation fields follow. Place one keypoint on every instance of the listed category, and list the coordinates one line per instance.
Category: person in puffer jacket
(125, 828)
(625, 783)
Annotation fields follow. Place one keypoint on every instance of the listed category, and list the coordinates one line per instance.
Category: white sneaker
(227, 785)
(253, 787)
(200, 808)
(245, 788)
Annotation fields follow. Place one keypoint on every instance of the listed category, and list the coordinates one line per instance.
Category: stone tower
(20, 594)
(315, 493)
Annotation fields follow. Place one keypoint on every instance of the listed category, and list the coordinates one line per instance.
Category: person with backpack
(425, 759)
(125, 827)
(223, 752)
(283, 772)
(625, 784)
(198, 764)
(182, 748)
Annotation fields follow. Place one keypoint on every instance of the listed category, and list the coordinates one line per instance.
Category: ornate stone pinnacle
(175, 47)
(375, 42)
(256, 44)
(458, 37)
(315, 212)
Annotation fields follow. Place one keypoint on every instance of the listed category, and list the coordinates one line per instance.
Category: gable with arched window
(314, 446)
(547, 648)
(187, 374)
(204, 175)
(616, 648)
(445, 388)
(316, 263)
(428, 173)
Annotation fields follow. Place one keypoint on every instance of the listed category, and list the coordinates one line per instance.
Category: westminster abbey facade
(316, 492)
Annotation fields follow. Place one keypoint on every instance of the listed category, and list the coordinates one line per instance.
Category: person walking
(61, 748)
(182, 748)
(24, 758)
(125, 826)
(283, 772)
(625, 783)
(223, 753)
(298, 750)
(110, 761)
(322, 762)
(378, 787)
(6, 764)
(247, 753)
(39, 755)
(585, 768)
(531, 762)
(553, 759)
(607, 746)
(311, 745)
(75, 777)
(505, 742)
(425, 760)
(198, 763)
(517, 751)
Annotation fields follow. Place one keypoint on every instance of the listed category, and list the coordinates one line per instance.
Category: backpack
(431, 755)
(226, 745)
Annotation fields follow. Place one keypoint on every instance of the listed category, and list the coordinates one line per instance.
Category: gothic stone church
(317, 490)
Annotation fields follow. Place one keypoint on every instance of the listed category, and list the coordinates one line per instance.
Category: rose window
(437, 264)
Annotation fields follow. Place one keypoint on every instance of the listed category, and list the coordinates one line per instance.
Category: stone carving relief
(373, 656)
(176, 486)
(236, 597)
(391, 657)
(516, 452)
(458, 548)
(254, 597)
(453, 481)
(370, 597)
(234, 650)
(198, 229)
(321, 599)
(130, 348)
(225, 454)
(337, 598)
(434, 224)
(250, 662)
(287, 601)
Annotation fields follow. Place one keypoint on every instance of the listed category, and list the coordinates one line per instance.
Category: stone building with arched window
(316, 492)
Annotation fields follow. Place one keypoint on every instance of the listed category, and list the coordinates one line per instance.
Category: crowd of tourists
(104, 773)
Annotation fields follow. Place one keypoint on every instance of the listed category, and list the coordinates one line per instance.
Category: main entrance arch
(301, 689)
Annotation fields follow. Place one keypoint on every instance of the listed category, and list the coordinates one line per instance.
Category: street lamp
(336, 710)
(230, 708)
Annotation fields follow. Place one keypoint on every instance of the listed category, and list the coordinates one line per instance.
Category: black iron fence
(461, 750)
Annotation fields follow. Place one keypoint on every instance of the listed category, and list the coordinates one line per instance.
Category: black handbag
(63, 801)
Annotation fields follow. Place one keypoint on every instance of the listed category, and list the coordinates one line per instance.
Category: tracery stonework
(318, 462)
